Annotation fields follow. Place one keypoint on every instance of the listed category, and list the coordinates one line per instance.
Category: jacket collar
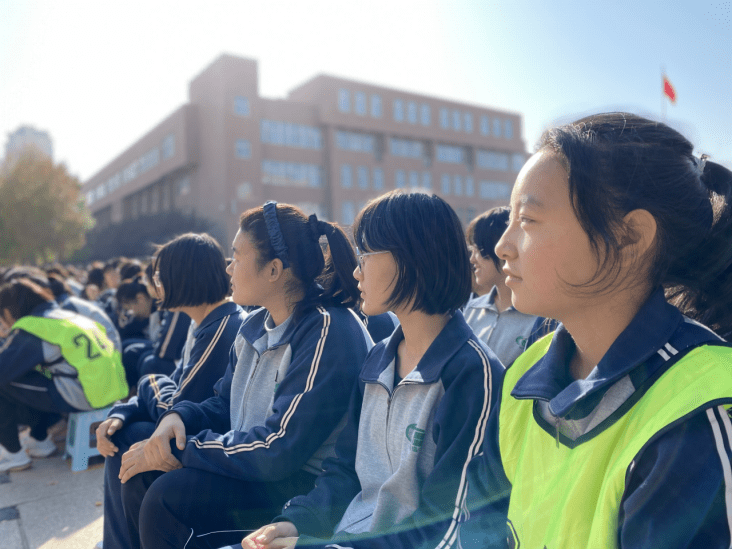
(453, 336)
(253, 327)
(549, 378)
(487, 301)
(216, 314)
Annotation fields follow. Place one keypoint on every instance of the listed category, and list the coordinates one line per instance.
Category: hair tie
(273, 230)
(313, 226)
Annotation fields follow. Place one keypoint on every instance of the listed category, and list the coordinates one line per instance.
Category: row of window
(412, 113)
(136, 168)
(362, 177)
(290, 134)
(355, 141)
(291, 173)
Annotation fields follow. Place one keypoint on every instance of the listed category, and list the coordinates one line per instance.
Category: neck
(199, 313)
(419, 330)
(503, 298)
(595, 328)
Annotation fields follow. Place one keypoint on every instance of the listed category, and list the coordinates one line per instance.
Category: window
(354, 141)
(484, 125)
(425, 114)
(457, 121)
(169, 146)
(449, 153)
(294, 174)
(414, 179)
(376, 106)
(426, 180)
(346, 176)
(399, 179)
(378, 178)
(290, 135)
(494, 190)
(241, 106)
(444, 118)
(457, 186)
(405, 148)
(492, 160)
(347, 212)
(344, 101)
(445, 184)
(469, 186)
(243, 149)
(244, 191)
(362, 177)
(508, 129)
(517, 162)
(497, 127)
(412, 112)
(468, 122)
(398, 112)
(360, 103)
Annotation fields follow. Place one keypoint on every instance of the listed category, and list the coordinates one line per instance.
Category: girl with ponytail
(615, 430)
(233, 460)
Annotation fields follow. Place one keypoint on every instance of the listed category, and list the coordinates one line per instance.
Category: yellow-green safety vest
(565, 497)
(85, 346)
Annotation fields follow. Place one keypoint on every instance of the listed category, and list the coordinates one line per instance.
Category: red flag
(669, 90)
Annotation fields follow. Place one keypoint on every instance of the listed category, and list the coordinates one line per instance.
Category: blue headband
(273, 230)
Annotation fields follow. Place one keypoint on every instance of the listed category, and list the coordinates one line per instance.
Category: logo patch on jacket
(416, 436)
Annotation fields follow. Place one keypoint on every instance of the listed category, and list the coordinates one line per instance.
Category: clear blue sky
(98, 75)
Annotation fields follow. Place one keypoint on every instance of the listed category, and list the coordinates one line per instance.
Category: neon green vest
(570, 498)
(85, 346)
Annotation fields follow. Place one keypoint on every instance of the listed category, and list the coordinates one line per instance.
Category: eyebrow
(530, 200)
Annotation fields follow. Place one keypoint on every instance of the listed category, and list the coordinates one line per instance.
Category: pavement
(49, 506)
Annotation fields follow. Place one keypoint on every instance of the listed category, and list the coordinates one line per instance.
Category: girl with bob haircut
(190, 281)
(53, 361)
(615, 430)
(418, 414)
(263, 437)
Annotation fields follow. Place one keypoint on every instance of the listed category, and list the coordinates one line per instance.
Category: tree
(42, 213)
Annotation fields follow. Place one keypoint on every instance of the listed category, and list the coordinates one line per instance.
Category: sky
(98, 75)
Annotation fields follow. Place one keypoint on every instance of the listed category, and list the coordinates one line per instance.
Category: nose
(357, 273)
(505, 248)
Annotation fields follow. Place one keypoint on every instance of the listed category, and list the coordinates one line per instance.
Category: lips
(511, 277)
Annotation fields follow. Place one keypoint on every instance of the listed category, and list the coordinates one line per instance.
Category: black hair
(324, 279)
(96, 277)
(192, 271)
(620, 162)
(130, 288)
(130, 269)
(21, 296)
(426, 239)
(486, 229)
(58, 285)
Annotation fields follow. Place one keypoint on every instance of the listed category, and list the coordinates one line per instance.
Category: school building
(332, 145)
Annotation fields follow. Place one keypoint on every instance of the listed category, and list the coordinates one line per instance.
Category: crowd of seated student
(583, 401)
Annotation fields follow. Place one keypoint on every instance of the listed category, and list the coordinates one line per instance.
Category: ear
(275, 270)
(642, 231)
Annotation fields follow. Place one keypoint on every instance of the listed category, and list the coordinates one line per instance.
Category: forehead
(240, 241)
(542, 180)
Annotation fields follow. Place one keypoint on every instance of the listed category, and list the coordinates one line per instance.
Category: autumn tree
(42, 213)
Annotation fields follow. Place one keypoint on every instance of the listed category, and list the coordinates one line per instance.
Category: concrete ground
(49, 506)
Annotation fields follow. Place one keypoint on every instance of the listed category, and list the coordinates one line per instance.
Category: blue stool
(80, 444)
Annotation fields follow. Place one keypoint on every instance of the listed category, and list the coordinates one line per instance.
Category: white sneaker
(13, 462)
(35, 448)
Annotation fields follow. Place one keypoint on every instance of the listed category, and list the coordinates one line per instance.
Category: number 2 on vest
(80, 340)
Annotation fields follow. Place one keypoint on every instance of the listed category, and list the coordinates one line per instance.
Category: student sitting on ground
(237, 457)
(418, 414)
(190, 277)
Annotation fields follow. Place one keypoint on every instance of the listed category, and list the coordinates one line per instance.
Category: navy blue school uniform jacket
(678, 488)
(204, 362)
(401, 460)
(282, 400)
(167, 343)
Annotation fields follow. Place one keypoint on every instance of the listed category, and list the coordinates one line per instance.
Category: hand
(276, 535)
(158, 447)
(134, 462)
(104, 431)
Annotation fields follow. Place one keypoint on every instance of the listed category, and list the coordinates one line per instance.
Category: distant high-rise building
(332, 145)
(28, 136)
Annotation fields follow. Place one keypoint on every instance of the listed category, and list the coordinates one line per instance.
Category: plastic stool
(80, 445)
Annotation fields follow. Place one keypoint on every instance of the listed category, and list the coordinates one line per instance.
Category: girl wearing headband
(233, 460)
